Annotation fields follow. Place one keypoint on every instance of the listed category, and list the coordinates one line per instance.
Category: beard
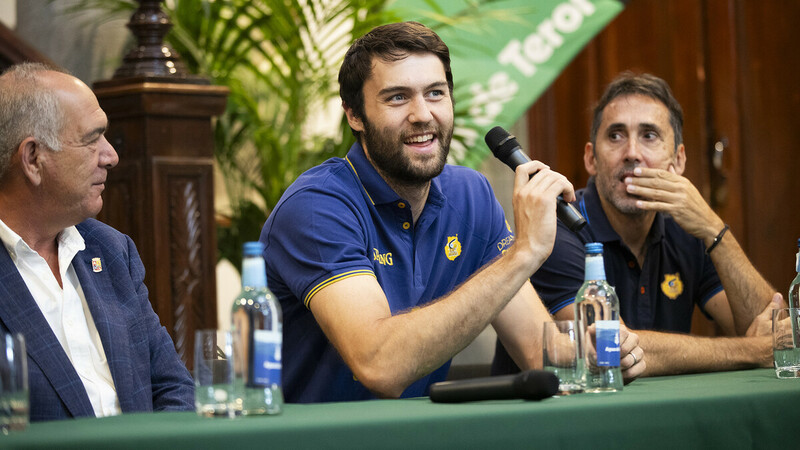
(608, 184)
(385, 147)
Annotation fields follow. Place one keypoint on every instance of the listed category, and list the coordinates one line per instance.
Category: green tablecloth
(744, 409)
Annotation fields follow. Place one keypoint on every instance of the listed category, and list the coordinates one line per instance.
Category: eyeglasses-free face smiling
(408, 118)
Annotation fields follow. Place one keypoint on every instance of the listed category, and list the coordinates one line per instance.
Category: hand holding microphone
(505, 147)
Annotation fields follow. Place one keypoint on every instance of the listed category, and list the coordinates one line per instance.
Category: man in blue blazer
(74, 287)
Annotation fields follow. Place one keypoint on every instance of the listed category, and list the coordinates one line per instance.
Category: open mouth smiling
(420, 139)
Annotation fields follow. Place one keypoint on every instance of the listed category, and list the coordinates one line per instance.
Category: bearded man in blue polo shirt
(388, 262)
(665, 250)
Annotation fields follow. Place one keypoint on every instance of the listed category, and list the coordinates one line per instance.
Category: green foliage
(280, 60)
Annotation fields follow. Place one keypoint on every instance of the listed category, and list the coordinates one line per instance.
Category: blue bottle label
(607, 343)
(266, 358)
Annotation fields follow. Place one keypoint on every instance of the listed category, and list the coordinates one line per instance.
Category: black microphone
(527, 385)
(505, 147)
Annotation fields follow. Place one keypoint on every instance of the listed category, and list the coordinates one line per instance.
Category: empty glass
(786, 342)
(14, 408)
(213, 374)
(560, 355)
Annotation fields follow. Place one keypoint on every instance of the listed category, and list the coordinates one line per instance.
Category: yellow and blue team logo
(672, 286)
(453, 248)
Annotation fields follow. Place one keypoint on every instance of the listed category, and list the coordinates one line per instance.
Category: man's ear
(31, 158)
(355, 122)
(680, 160)
(588, 159)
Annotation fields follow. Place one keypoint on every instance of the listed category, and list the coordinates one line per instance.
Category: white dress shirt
(67, 312)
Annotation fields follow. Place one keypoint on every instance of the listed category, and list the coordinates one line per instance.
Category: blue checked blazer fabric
(147, 372)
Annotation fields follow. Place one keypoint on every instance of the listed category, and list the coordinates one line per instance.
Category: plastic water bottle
(258, 338)
(794, 288)
(794, 300)
(597, 320)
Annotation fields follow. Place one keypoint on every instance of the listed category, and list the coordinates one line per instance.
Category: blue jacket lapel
(20, 313)
(110, 320)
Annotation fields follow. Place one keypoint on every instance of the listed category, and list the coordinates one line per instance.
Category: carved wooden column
(161, 193)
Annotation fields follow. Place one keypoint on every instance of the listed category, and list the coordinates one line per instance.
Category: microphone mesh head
(535, 384)
(501, 143)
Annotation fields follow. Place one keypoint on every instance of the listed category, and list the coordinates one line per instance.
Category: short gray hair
(630, 83)
(28, 109)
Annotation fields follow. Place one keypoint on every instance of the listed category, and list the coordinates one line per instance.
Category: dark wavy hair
(391, 42)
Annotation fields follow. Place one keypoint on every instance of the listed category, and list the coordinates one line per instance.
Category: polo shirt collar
(592, 208)
(375, 186)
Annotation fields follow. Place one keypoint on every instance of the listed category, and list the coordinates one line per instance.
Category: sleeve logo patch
(672, 286)
(453, 248)
(503, 245)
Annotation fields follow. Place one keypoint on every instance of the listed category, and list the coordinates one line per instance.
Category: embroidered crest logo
(97, 265)
(453, 247)
(672, 286)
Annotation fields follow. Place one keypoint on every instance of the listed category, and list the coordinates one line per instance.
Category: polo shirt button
(401, 205)
(642, 290)
(406, 225)
(631, 264)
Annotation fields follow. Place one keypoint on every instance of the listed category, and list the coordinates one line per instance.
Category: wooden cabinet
(161, 194)
(732, 65)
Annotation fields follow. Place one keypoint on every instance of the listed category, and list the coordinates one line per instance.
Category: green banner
(505, 54)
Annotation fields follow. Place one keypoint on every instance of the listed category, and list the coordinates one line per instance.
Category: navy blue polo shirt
(341, 219)
(677, 273)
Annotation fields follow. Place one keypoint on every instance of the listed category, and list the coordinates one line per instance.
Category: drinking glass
(786, 342)
(213, 374)
(14, 407)
(560, 355)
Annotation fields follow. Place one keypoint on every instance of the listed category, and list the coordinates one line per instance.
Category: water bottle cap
(594, 248)
(255, 248)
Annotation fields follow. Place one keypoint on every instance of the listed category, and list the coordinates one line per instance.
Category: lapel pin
(97, 266)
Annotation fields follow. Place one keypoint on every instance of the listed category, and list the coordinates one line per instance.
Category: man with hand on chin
(665, 249)
(388, 262)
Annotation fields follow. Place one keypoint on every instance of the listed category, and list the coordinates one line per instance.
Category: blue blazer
(147, 372)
